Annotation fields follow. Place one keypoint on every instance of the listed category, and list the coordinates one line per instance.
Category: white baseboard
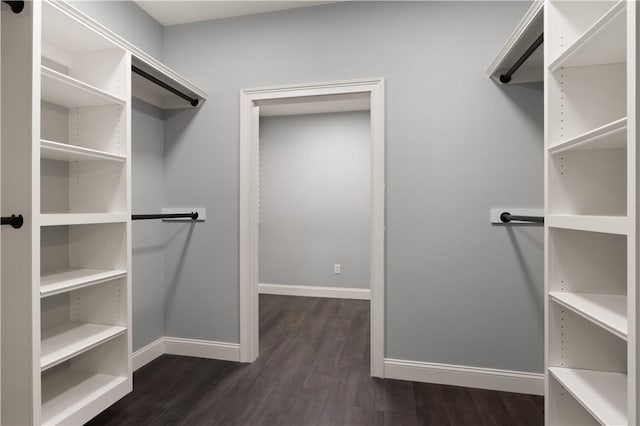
(145, 355)
(315, 291)
(472, 377)
(202, 348)
(185, 347)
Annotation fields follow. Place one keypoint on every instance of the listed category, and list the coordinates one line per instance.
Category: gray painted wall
(314, 199)
(147, 179)
(458, 290)
(128, 20)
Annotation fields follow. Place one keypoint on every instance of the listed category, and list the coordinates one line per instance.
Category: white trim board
(185, 347)
(315, 291)
(471, 377)
(250, 103)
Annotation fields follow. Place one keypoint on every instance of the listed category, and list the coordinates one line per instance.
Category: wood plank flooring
(313, 370)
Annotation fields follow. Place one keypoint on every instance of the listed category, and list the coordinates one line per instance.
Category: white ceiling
(172, 12)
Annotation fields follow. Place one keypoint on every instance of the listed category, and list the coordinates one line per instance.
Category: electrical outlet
(337, 268)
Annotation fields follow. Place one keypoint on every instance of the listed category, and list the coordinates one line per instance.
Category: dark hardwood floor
(313, 370)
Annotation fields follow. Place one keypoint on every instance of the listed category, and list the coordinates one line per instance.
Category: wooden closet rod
(13, 220)
(192, 101)
(506, 77)
(507, 217)
(192, 216)
(16, 6)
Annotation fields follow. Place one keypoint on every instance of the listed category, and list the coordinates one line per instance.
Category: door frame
(248, 215)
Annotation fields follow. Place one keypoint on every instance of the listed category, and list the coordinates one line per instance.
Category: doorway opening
(309, 99)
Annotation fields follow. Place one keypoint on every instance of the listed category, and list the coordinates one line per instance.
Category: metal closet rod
(192, 216)
(506, 77)
(192, 101)
(13, 220)
(16, 6)
(507, 217)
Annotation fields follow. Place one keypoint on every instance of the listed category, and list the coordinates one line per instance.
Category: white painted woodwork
(20, 127)
(141, 60)
(606, 310)
(608, 136)
(65, 152)
(526, 32)
(606, 224)
(66, 91)
(82, 219)
(602, 394)
(591, 212)
(68, 396)
(250, 105)
(65, 341)
(61, 281)
(602, 43)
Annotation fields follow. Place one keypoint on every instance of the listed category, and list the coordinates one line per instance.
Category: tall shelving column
(590, 203)
(68, 275)
(85, 220)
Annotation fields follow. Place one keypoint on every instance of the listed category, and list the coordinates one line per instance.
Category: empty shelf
(66, 91)
(71, 279)
(65, 152)
(610, 136)
(603, 43)
(73, 338)
(602, 394)
(66, 394)
(606, 310)
(58, 219)
(605, 224)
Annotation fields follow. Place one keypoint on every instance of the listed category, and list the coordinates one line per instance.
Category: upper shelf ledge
(142, 88)
(530, 27)
(603, 43)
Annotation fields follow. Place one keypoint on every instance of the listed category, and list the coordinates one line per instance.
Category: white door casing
(250, 100)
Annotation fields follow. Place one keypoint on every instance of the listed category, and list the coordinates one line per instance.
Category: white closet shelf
(603, 43)
(609, 136)
(59, 219)
(605, 224)
(68, 393)
(57, 282)
(605, 310)
(64, 152)
(66, 91)
(68, 340)
(602, 394)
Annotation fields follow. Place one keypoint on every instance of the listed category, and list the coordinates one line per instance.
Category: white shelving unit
(60, 89)
(72, 356)
(64, 395)
(85, 221)
(65, 280)
(63, 342)
(602, 394)
(61, 219)
(590, 205)
(66, 114)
